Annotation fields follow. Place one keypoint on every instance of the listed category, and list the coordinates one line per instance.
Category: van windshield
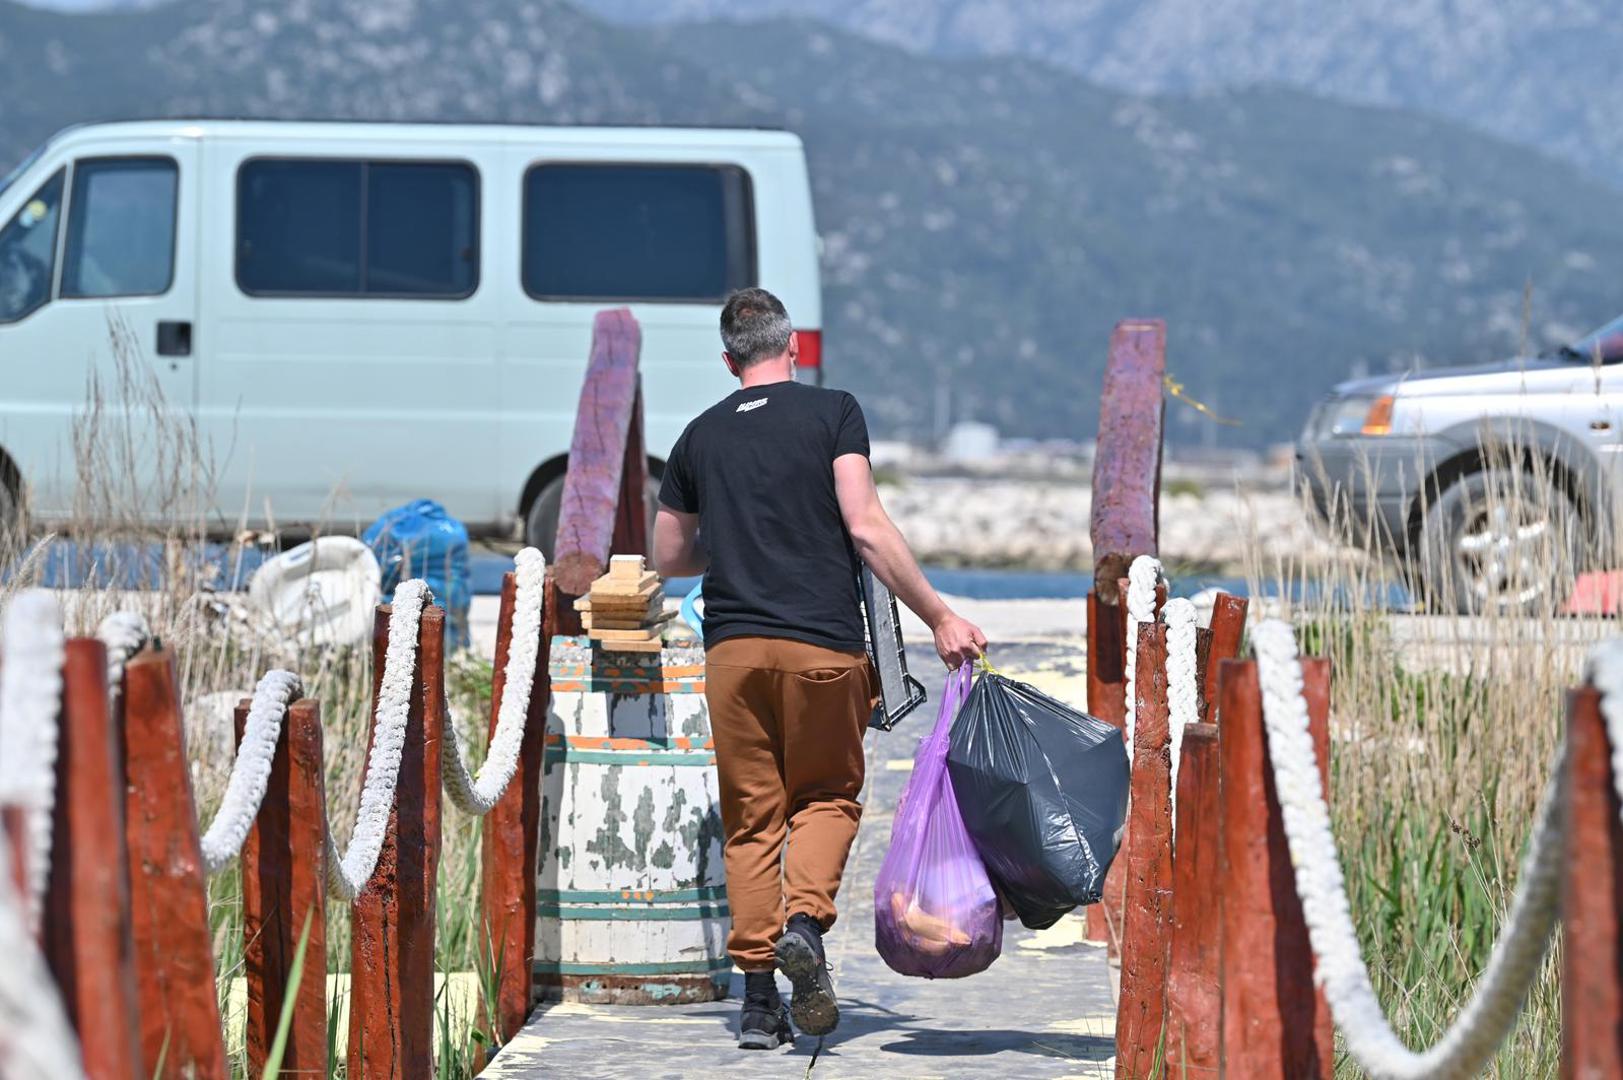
(22, 166)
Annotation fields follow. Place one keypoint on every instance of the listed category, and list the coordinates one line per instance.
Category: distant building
(969, 441)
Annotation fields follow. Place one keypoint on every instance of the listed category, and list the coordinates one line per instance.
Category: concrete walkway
(1043, 1010)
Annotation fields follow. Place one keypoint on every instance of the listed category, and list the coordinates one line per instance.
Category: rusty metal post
(594, 484)
(1591, 901)
(86, 926)
(1227, 629)
(1192, 994)
(508, 846)
(1274, 1023)
(1141, 1011)
(284, 881)
(391, 1013)
(174, 957)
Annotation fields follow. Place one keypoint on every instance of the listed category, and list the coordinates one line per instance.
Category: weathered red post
(1125, 517)
(1192, 991)
(174, 958)
(1141, 1011)
(1591, 901)
(1227, 630)
(284, 881)
(508, 847)
(599, 453)
(86, 924)
(1275, 1024)
(391, 1013)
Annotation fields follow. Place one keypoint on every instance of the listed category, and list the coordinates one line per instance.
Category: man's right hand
(958, 641)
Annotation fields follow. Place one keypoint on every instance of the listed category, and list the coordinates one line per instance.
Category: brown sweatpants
(788, 719)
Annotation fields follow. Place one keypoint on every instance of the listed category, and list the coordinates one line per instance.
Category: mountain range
(985, 218)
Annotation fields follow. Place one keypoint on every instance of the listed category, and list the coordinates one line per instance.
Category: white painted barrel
(632, 899)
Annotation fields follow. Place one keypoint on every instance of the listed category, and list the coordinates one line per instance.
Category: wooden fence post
(391, 1010)
(1141, 1011)
(509, 838)
(284, 881)
(1192, 991)
(1275, 1024)
(174, 958)
(1591, 901)
(86, 925)
(594, 485)
(1227, 629)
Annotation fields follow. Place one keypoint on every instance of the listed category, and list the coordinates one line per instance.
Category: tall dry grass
(1444, 728)
(143, 506)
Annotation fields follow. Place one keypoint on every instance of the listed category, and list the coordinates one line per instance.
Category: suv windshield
(1603, 346)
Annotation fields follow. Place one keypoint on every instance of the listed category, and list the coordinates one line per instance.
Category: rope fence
(37, 696)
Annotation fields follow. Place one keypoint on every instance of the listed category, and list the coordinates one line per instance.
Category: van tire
(11, 523)
(541, 524)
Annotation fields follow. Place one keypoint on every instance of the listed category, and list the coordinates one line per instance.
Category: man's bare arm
(882, 547)
(678, 551)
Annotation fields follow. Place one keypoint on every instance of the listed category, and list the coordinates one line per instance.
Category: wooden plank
(1127, 462)
(86, 928)
(391, 1017)
(643, 633)
(284, 881)
(1591, 901)
(592, 620)
(627, 591)
(508, 846)
(1203, 667)
(1228, 631)
(597, 452)
(1141, 1010)
(1192, 993)
(174, 958)
(654, 646)
(1274, 1024)
(627, 566)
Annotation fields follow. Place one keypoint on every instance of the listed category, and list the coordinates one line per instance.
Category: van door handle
(174, 338)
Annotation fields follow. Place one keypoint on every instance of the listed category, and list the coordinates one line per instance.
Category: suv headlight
(1359, 415)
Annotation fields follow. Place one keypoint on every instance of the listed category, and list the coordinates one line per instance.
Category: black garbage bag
(1043, 791)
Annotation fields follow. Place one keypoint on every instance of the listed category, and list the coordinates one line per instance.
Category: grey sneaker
(813, 1008)
(763, 1023)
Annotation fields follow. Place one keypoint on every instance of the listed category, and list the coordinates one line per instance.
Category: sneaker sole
(763, 1040)
(813, 1007)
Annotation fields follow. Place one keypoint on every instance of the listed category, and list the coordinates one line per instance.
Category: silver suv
(1495, 485)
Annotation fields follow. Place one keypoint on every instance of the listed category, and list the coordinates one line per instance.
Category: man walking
(770, 495)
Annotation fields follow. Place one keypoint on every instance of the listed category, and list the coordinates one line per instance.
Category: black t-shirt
(758, 469)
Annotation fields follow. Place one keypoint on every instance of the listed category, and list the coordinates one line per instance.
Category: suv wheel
(541, 525)
(1503, 542)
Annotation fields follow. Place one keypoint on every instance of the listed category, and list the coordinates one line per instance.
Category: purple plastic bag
(936, 914)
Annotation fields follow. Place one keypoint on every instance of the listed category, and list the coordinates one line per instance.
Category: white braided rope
(477, 795)
(35, 1036)
(30, 697)
(250, 773)
(1489, 1016)
(123, 633)
(1183, 695)
(348, 873)
(1142, 578)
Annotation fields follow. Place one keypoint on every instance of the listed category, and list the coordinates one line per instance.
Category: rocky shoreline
(1043, 525)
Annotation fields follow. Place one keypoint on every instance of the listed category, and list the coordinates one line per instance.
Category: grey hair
(754, 326)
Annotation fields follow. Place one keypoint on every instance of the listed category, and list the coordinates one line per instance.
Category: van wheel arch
(543, 477)
(11, 491)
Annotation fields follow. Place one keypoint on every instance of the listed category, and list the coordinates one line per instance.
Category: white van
(363, 314)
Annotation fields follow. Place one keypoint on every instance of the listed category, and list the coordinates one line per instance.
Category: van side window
(28, 252)
(121, 228)
(637, 232)
(325, 228)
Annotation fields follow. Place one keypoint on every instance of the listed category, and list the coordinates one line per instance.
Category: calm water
(135, 566)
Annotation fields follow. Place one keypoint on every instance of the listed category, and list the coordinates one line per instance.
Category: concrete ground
(1043, 1010)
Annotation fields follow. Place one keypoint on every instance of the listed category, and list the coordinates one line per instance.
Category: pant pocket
(823, 675)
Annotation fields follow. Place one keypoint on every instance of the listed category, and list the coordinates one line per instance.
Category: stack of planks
(625, 610)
